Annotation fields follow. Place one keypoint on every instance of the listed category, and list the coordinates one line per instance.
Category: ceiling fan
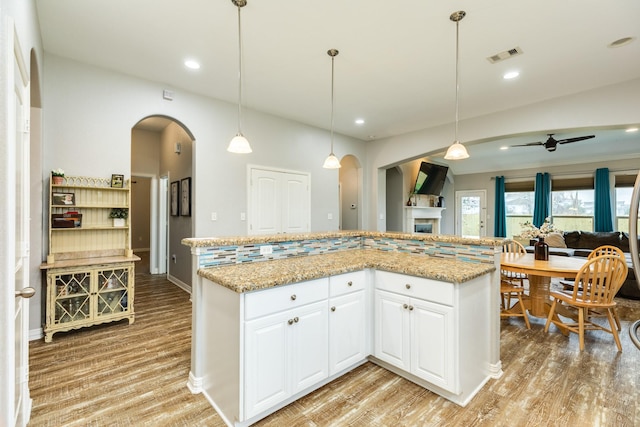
(552, 143)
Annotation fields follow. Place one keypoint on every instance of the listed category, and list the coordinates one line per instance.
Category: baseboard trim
(179, 283)
(36, 334)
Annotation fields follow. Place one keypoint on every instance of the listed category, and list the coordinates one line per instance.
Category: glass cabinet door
(72, 297)
(113, 291)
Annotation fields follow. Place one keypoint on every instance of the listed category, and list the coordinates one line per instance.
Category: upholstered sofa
(581, 243)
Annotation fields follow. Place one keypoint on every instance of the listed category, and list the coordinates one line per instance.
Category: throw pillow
(555, 240)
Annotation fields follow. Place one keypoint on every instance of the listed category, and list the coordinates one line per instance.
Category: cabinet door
(70, 294)
(112, 286)
(432, 343)
(392, 329)
(347, 329)
(309, 345)
(266, 362)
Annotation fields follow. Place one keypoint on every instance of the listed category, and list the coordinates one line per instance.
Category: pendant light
(239, 143)
(457, 151)
(332, 161)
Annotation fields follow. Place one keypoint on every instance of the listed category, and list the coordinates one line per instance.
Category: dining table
(539, 274)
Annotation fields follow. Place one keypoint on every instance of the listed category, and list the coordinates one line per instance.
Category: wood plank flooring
(135, 375)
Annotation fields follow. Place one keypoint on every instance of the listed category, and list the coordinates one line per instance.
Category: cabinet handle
(295, 319)
(349, 283)
(410, 308)
(290, 321)
(333, 309)
(405, 306)
(408, 286)
(293, 297)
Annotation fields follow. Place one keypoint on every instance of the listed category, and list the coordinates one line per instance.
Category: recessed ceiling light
(359, 121)
(511, 75)
(621, 42)
(190, 63)
(632, 130)
(504, 147)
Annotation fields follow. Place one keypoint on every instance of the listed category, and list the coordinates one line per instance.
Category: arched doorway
(162, 151)
(350, 181)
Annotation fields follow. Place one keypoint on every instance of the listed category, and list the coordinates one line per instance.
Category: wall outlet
(214, 216)
(243, 216)
(266, 250)
(330, 216)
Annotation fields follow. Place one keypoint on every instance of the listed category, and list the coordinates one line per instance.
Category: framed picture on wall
(185, 197)
(175, 198)
(63, 199)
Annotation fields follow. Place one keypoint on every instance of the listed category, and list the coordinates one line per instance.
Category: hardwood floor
(135, 375)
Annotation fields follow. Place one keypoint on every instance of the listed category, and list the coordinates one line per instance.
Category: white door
(471, 213)
(392, 329)
(295, 203)
(432, 339)
(279, 202)
(267, 362)
(15, 401)
(309, 346)
(347, 331)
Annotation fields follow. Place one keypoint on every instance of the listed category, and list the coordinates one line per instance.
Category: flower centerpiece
(57, 176)
(530, 231)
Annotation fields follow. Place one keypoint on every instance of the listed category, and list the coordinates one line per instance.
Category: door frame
(482, 194)
(14, 256)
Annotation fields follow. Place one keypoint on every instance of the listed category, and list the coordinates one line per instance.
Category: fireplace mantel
(424, 214)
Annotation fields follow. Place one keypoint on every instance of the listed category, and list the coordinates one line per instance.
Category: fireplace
(422, 219)
(425, 227)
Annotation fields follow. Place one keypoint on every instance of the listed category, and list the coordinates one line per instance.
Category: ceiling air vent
(505, 55)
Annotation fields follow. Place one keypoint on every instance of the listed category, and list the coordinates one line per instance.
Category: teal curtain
(602, 213)
(542, 199)
(500, 219)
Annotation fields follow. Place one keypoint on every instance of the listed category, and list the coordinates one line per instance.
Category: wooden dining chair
(512, 287)
(601, 250)
(595, 286)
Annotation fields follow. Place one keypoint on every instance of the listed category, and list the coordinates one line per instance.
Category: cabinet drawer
(346, 283)
(273, 300)
(415, 287)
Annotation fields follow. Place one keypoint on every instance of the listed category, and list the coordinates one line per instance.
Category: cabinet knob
(290, 321)
(293, 297)
(349, 283)
(410, 308)
(333, 308)
(295, 319)
(408, 286)
(405, 306)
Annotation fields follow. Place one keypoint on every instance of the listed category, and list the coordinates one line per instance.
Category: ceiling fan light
(331, 162)
(456, 151)
(239, 145)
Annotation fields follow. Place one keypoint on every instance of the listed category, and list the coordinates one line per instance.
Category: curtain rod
(630, 171)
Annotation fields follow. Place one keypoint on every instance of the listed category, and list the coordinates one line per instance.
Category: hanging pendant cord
(239, 74)
(332, 74)
(457, 85)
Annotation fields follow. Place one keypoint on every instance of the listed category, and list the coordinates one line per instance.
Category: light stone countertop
(265, 274)
(203, 242)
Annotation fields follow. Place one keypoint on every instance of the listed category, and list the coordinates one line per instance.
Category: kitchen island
(308, 308)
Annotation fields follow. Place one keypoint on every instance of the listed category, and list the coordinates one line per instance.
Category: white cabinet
(286, 344)
(347, 321)
(413, 333)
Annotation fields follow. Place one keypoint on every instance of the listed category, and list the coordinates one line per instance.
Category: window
(572, 203)
(624, 188)
(519, 199)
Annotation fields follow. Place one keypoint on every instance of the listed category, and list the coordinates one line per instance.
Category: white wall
(613, 105)
(90, 113)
